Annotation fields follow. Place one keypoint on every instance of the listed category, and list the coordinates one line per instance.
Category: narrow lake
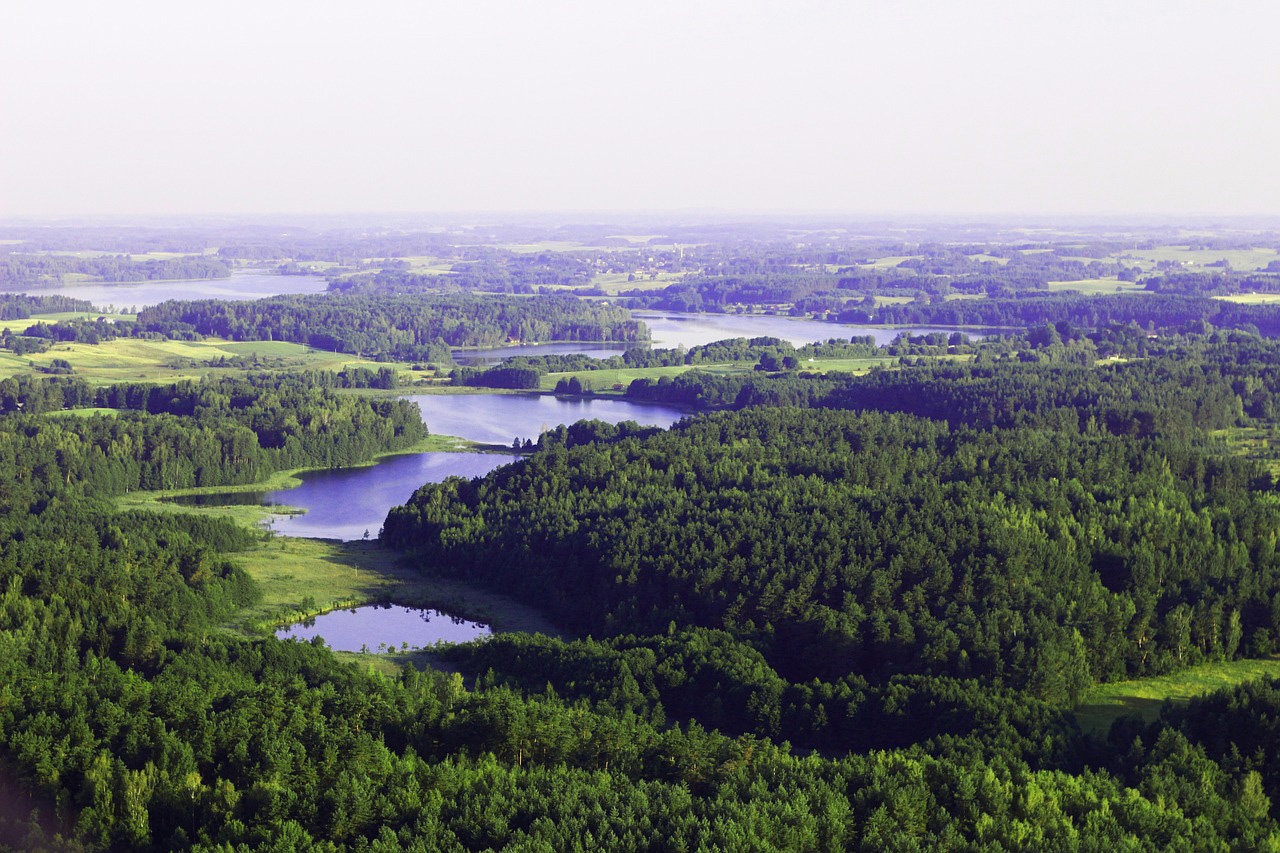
(671, 329)
(385, 627)
(490, 357)
(345, 503)
(141, 294)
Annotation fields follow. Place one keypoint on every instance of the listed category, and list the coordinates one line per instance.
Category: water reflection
(499, 418)
(385, 628)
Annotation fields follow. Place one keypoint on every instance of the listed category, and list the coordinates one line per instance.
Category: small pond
(385, 627)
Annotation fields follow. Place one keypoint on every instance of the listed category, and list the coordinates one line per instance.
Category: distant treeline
(1162, 311)
(405, 328)
(224, 432)
(523, 372)
(35, 270)
(18, 306)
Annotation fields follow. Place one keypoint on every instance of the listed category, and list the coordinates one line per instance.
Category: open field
(1251, 298)
(888, 262)
(427, 265)
(82, 413)
(613, 283)
(19, 326)
(135, 359)
(1240, 259)
(1104, 703)
(1095, 286)
(293, 572)
(603, 381)
(543, 246)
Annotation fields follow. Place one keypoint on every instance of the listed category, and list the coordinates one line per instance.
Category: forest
(404, 328)
(53, 270)
(830, 609)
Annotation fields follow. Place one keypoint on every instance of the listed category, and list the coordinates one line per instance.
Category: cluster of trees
(405, 328)
(873, 544)
(1155, 311)
(19, 270)
(190, 434)
(130, 720)
(18, 306)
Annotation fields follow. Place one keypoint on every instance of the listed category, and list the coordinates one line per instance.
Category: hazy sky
(896, 106)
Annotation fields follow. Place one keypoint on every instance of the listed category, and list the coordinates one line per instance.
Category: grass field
(603, 381)
(543, 246)
(82, 413)
(19, 326)
(135, 359)
(1240, 259)
(1252, 298)
(1107, 702)
(335, 575)
(889, 261)
(613, 283)
(1094, 286)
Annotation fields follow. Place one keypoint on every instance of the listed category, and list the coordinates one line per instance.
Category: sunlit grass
(1105, 703)
(304, 577)
(1096, 286)
(141, 360)
(1251, 298)
(1240, 259)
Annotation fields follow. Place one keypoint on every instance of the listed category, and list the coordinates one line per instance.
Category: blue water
(385, 627)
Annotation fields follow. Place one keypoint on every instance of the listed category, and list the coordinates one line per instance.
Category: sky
(961, 107)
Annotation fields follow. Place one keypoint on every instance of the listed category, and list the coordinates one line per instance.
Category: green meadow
(1105, 703)
(1096, 286)
(1240, 259)
(135, 359)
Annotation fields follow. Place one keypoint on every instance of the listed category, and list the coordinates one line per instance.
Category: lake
(131, 295)
(490, 357)
(499, 418)
(343, 503)
(374, 626)
(671, 329)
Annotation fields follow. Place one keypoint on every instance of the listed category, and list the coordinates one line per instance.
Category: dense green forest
(837, 612)
(405, 328)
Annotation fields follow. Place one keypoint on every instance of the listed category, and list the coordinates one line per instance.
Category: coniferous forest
(831, 608)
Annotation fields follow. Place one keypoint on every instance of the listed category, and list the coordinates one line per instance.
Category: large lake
(142, 294)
